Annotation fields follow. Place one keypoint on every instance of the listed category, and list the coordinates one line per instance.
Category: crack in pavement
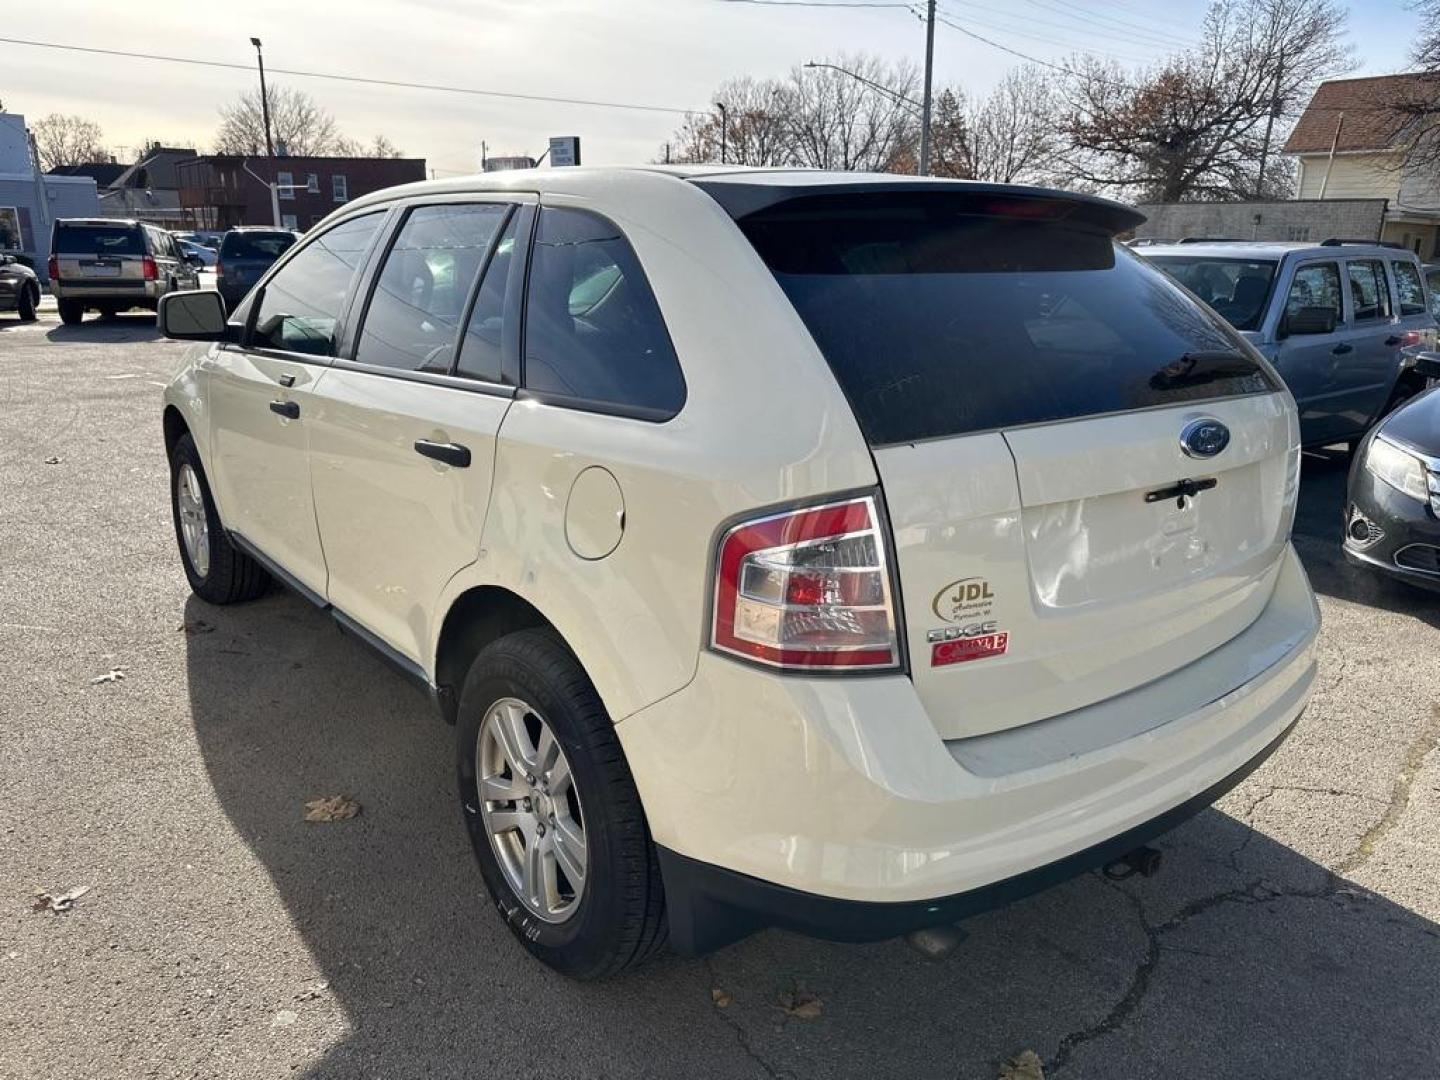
(1334, 887)
(741, 1035)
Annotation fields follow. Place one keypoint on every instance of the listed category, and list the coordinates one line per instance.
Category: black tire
(619, 919)
(232, 576)
(26, 304)
(71, 311)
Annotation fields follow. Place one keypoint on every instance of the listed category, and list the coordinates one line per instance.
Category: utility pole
(929, 77)
(724, 126)
(264, 98)
(1270, 124)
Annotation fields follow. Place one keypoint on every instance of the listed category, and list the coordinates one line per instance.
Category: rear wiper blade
(1201, 367)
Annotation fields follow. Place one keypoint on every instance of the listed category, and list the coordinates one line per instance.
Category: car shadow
(126, 326)
(1319, 535)
(1242, 958)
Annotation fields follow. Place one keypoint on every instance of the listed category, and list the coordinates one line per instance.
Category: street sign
(565, 150)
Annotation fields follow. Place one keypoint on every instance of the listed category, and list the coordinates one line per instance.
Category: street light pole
(265, 98)
(929, 75)
(724, 126)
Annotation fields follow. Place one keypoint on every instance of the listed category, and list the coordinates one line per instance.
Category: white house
(30, 202)
(1348, 142)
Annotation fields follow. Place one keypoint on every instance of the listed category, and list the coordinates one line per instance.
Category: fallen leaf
(199, 626)
(53, 460)
(113, 675)
(46, 901)
(331, 808)
(720, 998)
(800, 1005)
(1025, 1065)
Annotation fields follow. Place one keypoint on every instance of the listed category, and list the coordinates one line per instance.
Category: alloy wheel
(194, 527)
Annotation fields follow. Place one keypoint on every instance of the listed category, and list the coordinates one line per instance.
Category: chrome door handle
(288, 409)
(450, 453)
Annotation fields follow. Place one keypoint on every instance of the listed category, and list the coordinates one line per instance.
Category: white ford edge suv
(845, 553)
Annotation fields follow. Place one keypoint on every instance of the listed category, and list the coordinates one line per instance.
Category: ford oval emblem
(1204, 438)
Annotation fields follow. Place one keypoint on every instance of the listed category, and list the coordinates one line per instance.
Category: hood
(1417, 423)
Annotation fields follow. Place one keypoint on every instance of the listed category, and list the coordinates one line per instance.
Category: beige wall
(1409, 235)
(1353, 176)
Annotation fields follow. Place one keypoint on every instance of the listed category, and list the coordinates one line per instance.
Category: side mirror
(195, 315)
(1311, 320)
(1427, 364)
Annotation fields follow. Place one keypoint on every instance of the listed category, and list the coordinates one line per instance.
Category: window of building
(1297, 232)
(1369, 290)
(593, 331)
(414, 314)
(312, 183)
(289, 221)
(1407, 285)
(482, 350)
(286, 183)
(339, 188)
(1315, 285)
(300, 305)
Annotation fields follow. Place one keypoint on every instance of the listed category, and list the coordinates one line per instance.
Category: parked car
(831, 551)
(1341, 321)
(204, 237)
(1392, 514)
(1432, 285)
(19, 288)
(111, 264)
(199, 255)
(245, 254)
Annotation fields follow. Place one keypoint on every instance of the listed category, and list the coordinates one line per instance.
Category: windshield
(939, 320)
(256, 245)
(1236, 288)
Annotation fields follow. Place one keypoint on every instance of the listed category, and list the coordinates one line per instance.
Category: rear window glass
(98, 240)
(941, 316)
(1236, 288)
(237, 245)
(1407, 285)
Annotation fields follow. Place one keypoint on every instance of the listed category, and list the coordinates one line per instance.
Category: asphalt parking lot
(1291, 933)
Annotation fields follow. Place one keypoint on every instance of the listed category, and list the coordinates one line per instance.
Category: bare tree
(378, 147)
(1201, 124)
(68, 140)
(1013, 132)
(1416, 110)
(859, 118)
(297, 122)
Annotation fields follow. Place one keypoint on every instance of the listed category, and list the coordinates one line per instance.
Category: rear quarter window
(941, 316)
(1409, 291)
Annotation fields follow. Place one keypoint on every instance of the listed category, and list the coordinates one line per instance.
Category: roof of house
(156, 169)
(1368, 111)
(104, 173)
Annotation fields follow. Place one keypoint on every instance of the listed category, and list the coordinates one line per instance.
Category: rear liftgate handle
(1342, 349)
(450, 453)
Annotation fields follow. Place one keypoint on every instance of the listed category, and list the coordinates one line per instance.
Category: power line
(820, 3)
(1030, 34)
(335, 77)
(1136, 31)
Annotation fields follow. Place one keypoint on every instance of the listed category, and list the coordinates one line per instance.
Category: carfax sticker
(962, 649)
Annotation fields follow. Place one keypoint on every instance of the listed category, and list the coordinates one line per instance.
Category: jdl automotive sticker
(973, 634)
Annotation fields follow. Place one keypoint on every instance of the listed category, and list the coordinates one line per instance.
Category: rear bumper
(833, 807)
(137, 293)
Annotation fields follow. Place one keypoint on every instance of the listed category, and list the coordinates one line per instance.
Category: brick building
(219, 191)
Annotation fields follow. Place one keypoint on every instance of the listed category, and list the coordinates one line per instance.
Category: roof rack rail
(1213, 240)
(1340, 241)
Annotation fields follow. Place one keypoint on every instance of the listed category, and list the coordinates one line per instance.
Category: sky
(669, 54)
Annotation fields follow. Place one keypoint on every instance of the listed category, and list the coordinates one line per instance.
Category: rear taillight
(807, 589)
(1410, 338)
(149, 269)
(53, 267)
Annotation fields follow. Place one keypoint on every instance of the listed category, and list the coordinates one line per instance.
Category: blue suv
(1342, 320)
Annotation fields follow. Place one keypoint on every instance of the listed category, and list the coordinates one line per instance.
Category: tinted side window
(301, 304)
(420, 296)
(482, 349)
(1407, 285)
(593, 331)
(1368, 290)
(1315, 285)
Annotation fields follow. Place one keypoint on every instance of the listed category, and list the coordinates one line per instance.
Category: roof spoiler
(1337, 241)
(746, 198)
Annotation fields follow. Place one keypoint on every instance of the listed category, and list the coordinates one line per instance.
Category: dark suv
(112, 264)
(245, 255)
